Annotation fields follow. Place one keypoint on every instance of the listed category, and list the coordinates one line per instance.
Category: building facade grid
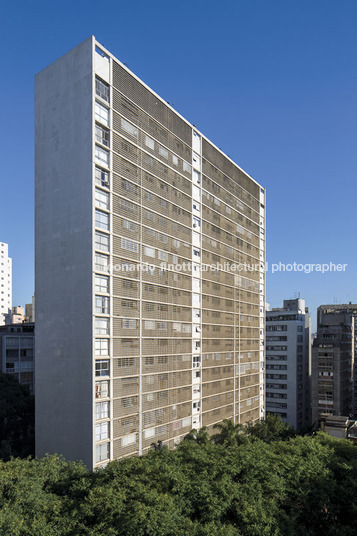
(175, 346)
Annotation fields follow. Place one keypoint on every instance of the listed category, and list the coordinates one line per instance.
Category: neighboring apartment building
(5, 282)
(17, 352)
(156, 345)
(16, 315)
(334, 386)
(288, 363)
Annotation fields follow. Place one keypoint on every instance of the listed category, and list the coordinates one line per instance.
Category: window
(128, 440)
(102, 347)
(102, 89)
(102, 220)
(128, 402)
(128, 323)
(175, 160)
(163, 152)
(102, 452)
(101, 326)
(101, 262)
(102, 305)
(101, 199)
(102, 410)
(149, 252)
(126, 362)
(149, 142)
(102, 389)
(196, 177)
(130, 225)
(130, 245)
(148, 160)
(128, 303)
(128, 186)
(196, 298)
(187, 421)
(101, 177)
(149, 432)
(102, 284)
(196, 222)
(129, 343)
(102, 155)
(196, 361)
(186, 166)
(128, 206)
(128, 283)
(102, 367)
(101, 113)
(149, 215)
(102, 431)
(162, 255)
(129, 128)
(102, 135)
(102, 242)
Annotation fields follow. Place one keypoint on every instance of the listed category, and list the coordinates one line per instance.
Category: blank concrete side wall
(63, 245)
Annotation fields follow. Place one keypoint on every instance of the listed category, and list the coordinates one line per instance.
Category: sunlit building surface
(137, 339)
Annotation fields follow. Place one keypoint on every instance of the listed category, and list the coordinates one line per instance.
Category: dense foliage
(258, 481)
(17, 419)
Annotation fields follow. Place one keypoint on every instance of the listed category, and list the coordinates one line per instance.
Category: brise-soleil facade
(138, 340)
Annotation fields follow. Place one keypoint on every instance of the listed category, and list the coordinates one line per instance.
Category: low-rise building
(17, 342)
(339, 426)
(16, 315)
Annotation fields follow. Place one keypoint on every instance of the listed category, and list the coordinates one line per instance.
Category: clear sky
(272, 83)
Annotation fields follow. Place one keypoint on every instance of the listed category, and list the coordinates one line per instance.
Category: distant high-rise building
(334, 386)
(30, 311)
(5, 282)
(288, 363)
(17, 352)
(136, 341)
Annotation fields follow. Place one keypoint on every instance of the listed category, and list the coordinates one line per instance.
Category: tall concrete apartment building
(5, 282)
(288, 363)
(334, 378)
(136, 342)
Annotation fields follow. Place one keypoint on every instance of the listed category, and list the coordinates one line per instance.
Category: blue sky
(272, 83)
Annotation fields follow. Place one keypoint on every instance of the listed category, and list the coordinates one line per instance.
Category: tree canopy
(17, 418)
(270, 484)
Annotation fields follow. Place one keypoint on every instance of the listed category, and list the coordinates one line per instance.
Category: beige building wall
(175, 346)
